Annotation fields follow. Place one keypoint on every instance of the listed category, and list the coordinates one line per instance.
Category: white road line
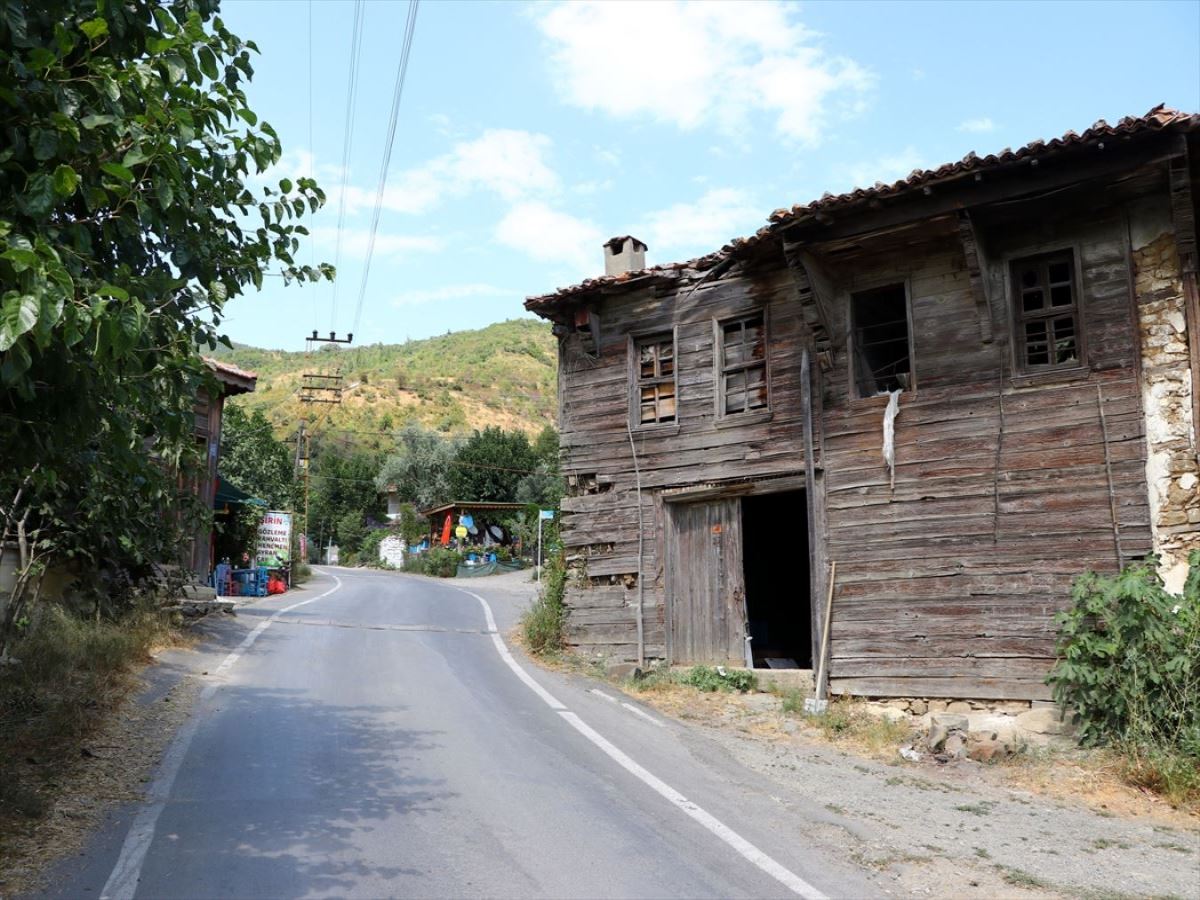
(602, 694)
(122, 883)
(641, 712)
(783, 875)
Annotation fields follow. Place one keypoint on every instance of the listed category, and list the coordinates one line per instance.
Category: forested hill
(503, 375)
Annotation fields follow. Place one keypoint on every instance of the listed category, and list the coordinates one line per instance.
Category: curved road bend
(374, 742)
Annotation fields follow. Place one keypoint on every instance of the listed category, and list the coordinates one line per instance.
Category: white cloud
(448, 292)
(505, 162)
(698, 63)
(550, 236)
(703, 226)
(887, 169)
(354, 242)
(978, 126)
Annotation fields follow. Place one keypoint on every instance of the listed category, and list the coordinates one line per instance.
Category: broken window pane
(1047, 319)
(656, 380)
(881, 340)
(743, 364)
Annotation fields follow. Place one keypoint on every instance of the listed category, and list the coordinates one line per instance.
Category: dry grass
(71, 674)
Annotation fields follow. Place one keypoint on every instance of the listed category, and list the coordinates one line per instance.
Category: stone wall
(1172, 474)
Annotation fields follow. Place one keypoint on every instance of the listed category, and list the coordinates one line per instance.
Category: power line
(347, 143)
(409, 26)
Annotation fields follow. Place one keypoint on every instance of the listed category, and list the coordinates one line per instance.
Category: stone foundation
(1172, 473)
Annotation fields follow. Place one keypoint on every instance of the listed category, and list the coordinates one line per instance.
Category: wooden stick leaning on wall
(821, 664)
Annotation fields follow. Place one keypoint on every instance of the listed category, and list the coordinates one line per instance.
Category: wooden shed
(1020, 329)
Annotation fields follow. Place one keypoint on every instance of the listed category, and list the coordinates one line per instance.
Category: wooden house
(198, 554)
(723, 420)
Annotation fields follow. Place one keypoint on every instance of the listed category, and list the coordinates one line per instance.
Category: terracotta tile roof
(1160, 118)
(239, 379)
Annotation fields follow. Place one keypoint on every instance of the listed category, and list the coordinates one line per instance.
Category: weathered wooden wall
(1005, 488)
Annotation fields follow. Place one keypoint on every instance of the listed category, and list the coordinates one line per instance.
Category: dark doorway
(776, 567)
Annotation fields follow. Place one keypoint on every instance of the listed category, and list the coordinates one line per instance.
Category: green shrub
(1129, 658)
(709, 679)
(1129, 666)
(440, 562)
(542, 624)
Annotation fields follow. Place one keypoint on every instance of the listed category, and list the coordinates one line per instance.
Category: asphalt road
(374, 742)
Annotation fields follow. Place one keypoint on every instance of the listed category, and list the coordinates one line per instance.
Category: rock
(958, 706)
(918, 707)
(955, 746)
(621, 670)
(907, 752)
(942, 725)
(1044, 721)
(986, 747)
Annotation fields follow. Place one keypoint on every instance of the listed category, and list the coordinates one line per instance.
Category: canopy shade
(228, 493)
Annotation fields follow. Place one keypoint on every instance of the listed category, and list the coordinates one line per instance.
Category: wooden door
(706, 594)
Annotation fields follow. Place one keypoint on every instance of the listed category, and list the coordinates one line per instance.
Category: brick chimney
(624, 254)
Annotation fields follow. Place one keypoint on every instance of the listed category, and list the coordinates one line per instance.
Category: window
(1046, 305)
(882, 355)
(655, 379)
(743, 364)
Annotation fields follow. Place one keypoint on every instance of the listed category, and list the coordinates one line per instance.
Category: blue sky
(530, 133)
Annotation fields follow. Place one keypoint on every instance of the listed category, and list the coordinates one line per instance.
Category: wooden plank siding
(948, 577)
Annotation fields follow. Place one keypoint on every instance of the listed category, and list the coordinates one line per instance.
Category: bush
(542, 624)
(709, 679)
(440, 562)
(1129, 666)
(1129, 658)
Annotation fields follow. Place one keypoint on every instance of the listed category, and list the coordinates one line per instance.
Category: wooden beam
(814, 291)
(978, 272)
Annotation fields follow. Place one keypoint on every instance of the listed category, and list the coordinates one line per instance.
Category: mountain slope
(504, 374)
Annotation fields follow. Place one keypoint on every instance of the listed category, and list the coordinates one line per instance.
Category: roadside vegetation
(1129, 666)
(64, 676)
(542, 626)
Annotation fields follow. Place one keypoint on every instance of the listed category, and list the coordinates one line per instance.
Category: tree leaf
(111, 290)
(38, 198)
(285, 185)
(164, 191)
(176, 68)
(95, 120)
(66, 180)
(118, 171)
(94, 28)
(208, 63)
(45, 143)
(18, 314)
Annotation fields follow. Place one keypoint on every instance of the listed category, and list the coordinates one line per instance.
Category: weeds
(710, 679)
(1130, 666)
(846, 720)
(542, 624)
(70, 672)
(1021, 878)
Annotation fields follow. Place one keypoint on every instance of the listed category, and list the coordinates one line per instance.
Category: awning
(228, 493)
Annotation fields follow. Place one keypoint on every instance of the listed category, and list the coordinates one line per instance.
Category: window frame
(635, 342)
(1017, 318)
(720, 368)
(866, 287)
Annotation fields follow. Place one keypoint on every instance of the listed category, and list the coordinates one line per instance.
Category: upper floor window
(743, 364)
(1046, 305)
(655, 360)
(882, 352)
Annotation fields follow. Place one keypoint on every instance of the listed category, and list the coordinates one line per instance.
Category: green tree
(341, 483)
(127, 222)
(350, 532)
(419, 469)
(490, 465)
(254, 461)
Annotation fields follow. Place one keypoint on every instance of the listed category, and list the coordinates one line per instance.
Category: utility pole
(299, 450)
(307, 467)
